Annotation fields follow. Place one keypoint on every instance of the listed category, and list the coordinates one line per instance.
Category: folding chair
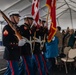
(71, 54)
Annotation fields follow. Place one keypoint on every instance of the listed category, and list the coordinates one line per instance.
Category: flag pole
(46, 23)
(47, 16)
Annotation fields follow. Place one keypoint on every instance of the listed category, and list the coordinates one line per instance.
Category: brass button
(14, 43)
(11, 43)
(12, 48)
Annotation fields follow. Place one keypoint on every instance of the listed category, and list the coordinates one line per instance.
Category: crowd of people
(38, 56)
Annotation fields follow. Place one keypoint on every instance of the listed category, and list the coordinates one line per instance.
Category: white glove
(53, 39)
(21, 42)
(75, 36)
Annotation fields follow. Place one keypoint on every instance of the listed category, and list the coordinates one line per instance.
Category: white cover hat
(28, 16)
(14, 13)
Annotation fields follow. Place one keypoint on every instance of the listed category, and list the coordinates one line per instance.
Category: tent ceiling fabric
(64, 8)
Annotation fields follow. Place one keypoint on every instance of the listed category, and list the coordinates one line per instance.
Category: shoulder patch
(25, 27)
(5, 33)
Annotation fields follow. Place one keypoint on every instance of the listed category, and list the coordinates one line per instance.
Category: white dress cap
(28, 16)
(14, 13)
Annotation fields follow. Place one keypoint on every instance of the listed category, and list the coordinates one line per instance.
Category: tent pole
(62, 13)
(58, 22)
(70, 13)
(71, 18)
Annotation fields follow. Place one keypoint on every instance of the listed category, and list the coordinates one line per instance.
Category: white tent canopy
(65, 10)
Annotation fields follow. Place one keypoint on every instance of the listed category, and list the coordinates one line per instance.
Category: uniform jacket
(10, 41)
(36, 46)
(43, 32)
(25, 32)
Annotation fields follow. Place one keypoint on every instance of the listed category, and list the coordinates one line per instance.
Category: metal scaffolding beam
(70, 13)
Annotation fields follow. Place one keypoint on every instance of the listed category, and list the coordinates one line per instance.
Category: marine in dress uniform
(43, 35)
(37, 56)
(10, 41)
(26, 53)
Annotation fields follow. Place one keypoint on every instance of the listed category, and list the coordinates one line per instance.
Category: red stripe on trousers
(26, 66)
(44, 63)
(38, 64)
(11, 67)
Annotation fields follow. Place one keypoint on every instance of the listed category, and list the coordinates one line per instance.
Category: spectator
(59, 36)
(71, 39)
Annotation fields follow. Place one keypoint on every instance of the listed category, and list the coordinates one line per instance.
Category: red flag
(52, 8)
(35, 10)
(48, 3)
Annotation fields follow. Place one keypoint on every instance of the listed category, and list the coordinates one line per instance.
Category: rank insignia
(5, 33)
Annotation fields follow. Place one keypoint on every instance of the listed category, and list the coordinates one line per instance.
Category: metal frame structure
(70, 4)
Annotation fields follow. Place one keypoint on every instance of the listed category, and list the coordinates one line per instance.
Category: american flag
(35, 11)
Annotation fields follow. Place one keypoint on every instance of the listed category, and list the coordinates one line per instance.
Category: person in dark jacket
(37, 55)
(71, 39)
(43, 35)
(11, 43)
(26, 53)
